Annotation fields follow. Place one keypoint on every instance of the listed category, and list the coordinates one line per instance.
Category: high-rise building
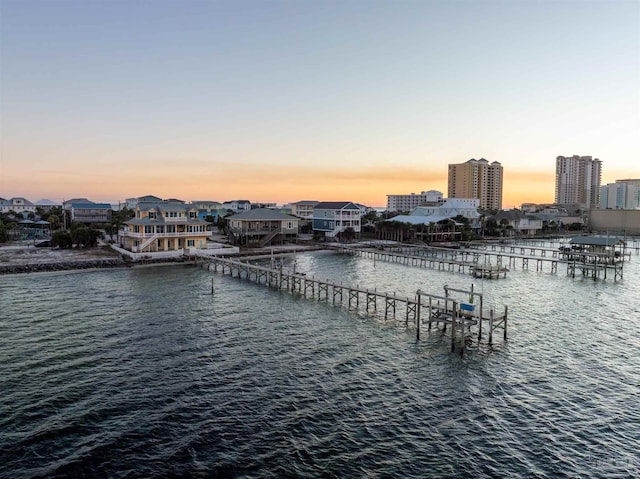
(621, 195)
(578, 181)
(477, 179)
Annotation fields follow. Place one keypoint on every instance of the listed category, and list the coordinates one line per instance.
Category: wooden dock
(494, 261)
(401, 255)
(461, 311)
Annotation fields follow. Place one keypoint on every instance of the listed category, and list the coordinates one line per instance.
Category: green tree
(84, 236)
(54, 221)
(222, 224)
(61, 239)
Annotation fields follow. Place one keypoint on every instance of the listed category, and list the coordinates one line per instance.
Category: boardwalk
(451, 310)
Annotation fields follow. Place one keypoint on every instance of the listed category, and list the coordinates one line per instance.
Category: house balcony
(184, 234)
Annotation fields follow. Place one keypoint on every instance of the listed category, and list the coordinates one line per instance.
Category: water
(143, 373)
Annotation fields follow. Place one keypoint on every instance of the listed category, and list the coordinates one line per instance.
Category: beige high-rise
(578, 181)
(477, 179)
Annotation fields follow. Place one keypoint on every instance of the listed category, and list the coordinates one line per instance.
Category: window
(191, 242)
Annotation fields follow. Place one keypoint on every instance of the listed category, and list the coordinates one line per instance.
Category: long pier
(468, 260)
(460, 310)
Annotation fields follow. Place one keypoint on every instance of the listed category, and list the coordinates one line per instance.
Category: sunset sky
(291, 100)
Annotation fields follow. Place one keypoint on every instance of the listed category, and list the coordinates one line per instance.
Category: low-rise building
(334, 217)
(164, 226)
(411, 201)
(449, 208)
(237, 206)
(17, 205)
(520, 223)
(261, 227)
(90, 212)
(303, 209)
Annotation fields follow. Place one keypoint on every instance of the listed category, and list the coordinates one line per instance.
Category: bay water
(142, 372)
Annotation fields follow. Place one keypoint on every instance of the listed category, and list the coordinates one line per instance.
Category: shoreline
(117, 261)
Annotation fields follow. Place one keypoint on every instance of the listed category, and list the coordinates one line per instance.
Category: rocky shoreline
(79, 265)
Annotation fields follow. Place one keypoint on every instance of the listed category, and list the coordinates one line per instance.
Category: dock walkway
(463, 318)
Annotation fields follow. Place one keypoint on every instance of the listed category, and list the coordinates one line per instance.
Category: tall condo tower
(477, 179)
(578, 181)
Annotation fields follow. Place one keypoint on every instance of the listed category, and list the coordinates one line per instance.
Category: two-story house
(164, 227)
(17, 205)
(237, 206)
(262, 226)
(334, 217)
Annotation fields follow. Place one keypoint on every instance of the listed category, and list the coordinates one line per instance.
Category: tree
(61, 239)
(83, 236)
(222, 224)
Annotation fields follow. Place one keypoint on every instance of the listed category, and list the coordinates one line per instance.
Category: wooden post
(418, 294)
(453, 325)
(212, 286)
(505, 322)
(480, 320)
(491, 326)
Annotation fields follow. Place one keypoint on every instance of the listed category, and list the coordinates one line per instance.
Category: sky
(281, 101)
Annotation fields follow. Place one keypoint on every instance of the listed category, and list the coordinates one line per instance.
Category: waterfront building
(477, 179)
(18, 205)
(578, 181)
(520, 223)
(334, 217)
(164, 226)
(303, 209)
(413, 200)
(262, 226)
(621, 195)
(450, 208)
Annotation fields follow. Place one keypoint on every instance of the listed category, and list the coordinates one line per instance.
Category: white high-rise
(578, 181)
(621, 195)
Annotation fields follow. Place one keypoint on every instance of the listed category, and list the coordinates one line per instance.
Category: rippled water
(143, 373)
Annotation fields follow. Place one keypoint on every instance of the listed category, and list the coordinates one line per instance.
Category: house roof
(306, 203)
(263, 214)
(597, 240)
(335, 205)
(149, 198)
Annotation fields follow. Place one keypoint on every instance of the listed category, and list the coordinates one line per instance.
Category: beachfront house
(334, 217)
(164, 226)
(261, 227)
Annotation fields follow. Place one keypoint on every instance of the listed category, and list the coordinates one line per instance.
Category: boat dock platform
(462, 311)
